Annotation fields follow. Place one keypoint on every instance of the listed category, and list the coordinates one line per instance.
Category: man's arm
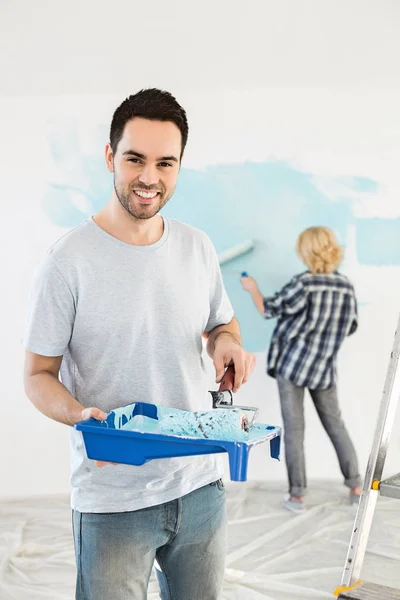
(224, 346)
(231, 329)
(49, 395)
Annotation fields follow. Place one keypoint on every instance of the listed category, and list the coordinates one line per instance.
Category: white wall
(55, 47)
(329, 71)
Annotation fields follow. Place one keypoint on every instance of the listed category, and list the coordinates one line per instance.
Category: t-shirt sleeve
(51, 312)
(221, 311)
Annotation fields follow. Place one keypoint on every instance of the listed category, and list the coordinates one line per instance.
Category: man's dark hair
(153, 104)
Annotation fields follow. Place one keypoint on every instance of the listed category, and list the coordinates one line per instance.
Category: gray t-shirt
(128, 322)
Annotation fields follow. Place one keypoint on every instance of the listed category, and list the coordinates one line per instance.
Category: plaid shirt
(315, 313)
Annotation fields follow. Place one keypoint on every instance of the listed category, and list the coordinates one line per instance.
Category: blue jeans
(115, 552)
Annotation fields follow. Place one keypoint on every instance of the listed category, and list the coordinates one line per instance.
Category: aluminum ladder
(352, 588)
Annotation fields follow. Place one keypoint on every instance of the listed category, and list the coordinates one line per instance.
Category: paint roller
(235, 252)
(214, 424)
(224, 399)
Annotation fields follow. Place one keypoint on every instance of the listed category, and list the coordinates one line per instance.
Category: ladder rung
(390, 487)
(371, 591)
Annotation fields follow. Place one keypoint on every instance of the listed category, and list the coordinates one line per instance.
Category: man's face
(146, 166)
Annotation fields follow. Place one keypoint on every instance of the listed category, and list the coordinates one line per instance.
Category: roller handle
(224, 395)
(221, 399)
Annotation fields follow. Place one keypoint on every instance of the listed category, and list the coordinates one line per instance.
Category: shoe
(354, 499)
(294, 507)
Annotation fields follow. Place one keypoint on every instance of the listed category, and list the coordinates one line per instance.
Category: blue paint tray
(104, 441)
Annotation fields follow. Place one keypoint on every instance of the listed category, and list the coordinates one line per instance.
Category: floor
(272, 554)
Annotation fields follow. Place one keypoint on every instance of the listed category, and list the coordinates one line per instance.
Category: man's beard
(144, 211)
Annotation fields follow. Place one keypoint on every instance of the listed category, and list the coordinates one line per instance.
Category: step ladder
(352, 588)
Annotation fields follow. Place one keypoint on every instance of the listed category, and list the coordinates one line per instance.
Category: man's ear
(109, 158)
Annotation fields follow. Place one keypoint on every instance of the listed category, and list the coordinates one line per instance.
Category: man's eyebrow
(172, 158)
(133, 153)
(142, 156)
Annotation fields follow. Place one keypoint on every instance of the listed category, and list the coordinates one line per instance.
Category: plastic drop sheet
(272, 554)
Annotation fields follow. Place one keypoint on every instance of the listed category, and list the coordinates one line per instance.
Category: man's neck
(116, 221)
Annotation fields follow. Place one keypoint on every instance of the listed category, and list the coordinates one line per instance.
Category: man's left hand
(230, 355)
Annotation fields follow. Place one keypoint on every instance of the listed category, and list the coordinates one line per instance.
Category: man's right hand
(99, 415)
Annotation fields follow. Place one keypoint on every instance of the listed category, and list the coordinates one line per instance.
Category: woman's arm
(289, 300)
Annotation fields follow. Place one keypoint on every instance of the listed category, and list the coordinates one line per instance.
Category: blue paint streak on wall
(80, 173)
(360, 184)
(268, 202)
(378, 241)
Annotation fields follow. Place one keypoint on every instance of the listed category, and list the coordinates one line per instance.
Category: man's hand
(240, 363)
(99, 415)
(228, 380)
(93, 413)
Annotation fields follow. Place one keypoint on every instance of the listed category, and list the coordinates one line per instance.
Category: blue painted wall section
(269, 202)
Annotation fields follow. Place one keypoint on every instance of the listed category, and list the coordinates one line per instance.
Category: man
(119, 308)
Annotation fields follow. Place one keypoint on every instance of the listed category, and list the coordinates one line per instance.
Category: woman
(316, 310)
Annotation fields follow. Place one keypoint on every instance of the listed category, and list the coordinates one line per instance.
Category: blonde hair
(318, 248)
